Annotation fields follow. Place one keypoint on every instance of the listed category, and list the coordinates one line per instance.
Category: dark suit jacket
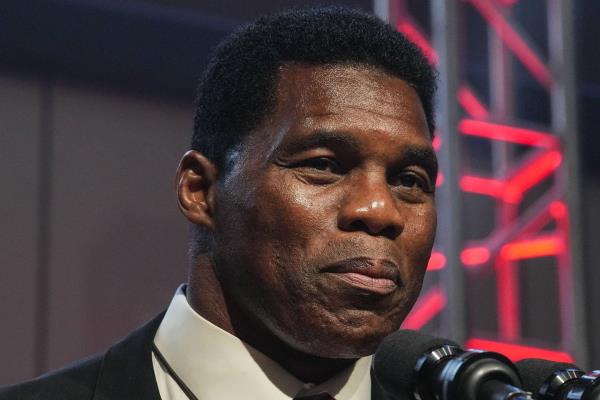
(124, 372)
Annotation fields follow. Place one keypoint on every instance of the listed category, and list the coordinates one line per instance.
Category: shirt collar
(215, 364)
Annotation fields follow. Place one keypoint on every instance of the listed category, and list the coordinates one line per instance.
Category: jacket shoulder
(76, 381)
(124, 372)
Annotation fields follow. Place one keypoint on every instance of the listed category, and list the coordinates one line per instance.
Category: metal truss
(533, 183)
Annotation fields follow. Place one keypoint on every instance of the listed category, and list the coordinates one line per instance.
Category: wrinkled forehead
(353, 98)
(314, 90)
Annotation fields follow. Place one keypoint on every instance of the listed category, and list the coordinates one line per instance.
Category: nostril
(358, 225)
(389, 231)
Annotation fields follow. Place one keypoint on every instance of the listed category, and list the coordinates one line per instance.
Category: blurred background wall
(96, 107)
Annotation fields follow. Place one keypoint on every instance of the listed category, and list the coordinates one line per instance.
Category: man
(310, 189)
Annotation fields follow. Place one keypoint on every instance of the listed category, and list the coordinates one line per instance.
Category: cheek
(296, 213)
(274, 228)
(421, 225)
(418, 236)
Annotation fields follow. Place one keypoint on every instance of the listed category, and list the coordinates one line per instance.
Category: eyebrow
(323, 138)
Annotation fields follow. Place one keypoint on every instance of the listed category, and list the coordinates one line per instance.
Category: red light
(533, 248)
(429, 305)
(518, 352)
(508, 3)
(536, 170)
(475, 256)
(512, 195)
(414, 35)
(484, 186)
(558, 210)
(440, 179)
(507, 133)
(509, 321)
(471, 103)
(437, 261)
(437, 141)
(514, 42)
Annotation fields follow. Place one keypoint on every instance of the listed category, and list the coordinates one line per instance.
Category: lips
(378, 276)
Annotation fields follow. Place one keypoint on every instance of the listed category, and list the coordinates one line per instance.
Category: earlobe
(196, 184)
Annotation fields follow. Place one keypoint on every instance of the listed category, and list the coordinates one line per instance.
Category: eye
(324, 164)
(411, 180)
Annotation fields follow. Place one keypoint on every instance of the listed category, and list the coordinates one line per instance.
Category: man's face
(325, 224)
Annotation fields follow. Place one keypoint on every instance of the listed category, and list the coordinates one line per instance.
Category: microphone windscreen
(395, 360)
(534, 372)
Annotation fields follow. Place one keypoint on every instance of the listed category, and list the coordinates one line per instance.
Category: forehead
(313, 90)
(376, 110)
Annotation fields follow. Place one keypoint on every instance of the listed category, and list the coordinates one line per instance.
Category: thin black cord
(188, 392)
(161, 359)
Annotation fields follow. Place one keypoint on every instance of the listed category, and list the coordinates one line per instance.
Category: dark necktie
(320, 396)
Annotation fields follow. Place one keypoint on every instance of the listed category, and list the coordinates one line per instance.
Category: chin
(348, 341)
(346, 348)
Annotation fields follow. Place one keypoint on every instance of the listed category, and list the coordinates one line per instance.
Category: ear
(196, 186)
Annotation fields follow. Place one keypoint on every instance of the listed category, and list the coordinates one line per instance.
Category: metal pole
(502, 109)
(564, 123)
(444, 16)
(381, 8)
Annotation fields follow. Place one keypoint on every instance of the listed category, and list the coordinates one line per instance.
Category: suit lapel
(126, 372)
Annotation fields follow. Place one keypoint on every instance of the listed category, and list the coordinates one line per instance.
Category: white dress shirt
(217, 365)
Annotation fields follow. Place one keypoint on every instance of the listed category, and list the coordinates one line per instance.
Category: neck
(207, 297)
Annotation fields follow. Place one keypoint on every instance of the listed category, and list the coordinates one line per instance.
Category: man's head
(313, 176)
(238, 89)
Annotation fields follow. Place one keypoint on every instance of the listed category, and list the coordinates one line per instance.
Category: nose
(369, 206)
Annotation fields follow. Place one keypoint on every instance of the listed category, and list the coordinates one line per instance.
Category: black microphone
(550, 380)
(413, 365)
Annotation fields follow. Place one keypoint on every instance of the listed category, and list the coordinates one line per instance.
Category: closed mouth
(380, 276)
